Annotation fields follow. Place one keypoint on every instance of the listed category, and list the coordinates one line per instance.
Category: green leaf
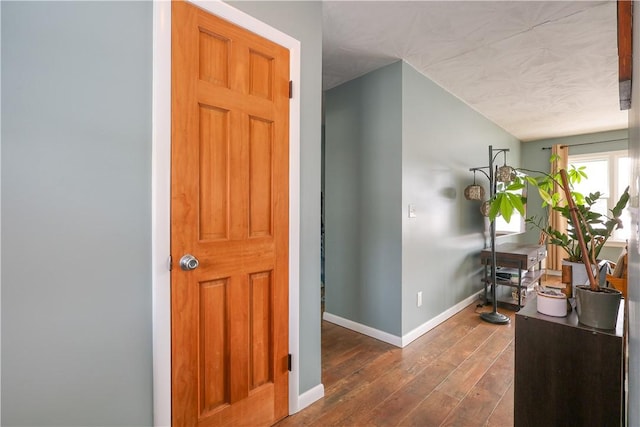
(579, 199)
(515, 186)
(506, 207)
(494, 208)
(622, 203)
(516, 202)
(546, 197)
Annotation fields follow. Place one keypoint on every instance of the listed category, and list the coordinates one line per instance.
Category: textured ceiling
(537, 69)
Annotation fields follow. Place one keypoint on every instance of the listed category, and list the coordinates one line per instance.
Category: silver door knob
(188, 262)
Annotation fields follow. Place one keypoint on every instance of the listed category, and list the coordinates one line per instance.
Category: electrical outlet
(419, 299)
(412, 211)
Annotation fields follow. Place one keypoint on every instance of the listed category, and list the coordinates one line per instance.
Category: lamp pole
(493, 316)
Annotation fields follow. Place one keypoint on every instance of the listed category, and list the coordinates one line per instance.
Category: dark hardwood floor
(458, 374)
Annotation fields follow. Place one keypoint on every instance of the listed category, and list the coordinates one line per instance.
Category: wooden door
(229, 209)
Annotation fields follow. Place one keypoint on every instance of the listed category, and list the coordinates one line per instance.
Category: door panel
(260, 172)
(214, 345)
(214, 173)
(230, 210)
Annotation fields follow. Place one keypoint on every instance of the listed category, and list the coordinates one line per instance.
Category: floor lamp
(475, 192)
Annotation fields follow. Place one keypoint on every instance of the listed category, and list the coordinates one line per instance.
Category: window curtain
(557, 221)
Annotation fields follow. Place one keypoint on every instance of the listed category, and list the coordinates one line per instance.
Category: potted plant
(587, 233)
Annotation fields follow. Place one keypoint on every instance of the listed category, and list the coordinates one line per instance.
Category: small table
(518, 256)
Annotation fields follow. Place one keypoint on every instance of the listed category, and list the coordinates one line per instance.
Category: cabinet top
(516, 249)
(571, 319)
(516, 254)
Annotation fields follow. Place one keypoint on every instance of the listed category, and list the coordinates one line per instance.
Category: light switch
(412, 211)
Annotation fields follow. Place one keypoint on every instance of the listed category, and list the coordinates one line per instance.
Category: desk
(518, 256)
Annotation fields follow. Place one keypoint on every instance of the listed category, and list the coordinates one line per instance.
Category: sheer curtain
(557, 221)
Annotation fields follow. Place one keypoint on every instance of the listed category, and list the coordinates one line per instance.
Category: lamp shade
(485, 207)
(474, 192)
(505, 174)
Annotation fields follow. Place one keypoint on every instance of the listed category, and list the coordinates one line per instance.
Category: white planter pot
(579, 274)
(552, 305)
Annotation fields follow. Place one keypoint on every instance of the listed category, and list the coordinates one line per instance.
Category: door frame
(161, 196)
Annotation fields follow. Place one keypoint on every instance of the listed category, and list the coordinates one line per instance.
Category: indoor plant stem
(574, 217)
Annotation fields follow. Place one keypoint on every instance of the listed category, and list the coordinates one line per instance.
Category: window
(608, 173)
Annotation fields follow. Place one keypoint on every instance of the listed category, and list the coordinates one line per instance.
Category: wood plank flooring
(458, 374)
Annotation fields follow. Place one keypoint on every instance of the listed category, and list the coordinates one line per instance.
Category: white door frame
(161, 196)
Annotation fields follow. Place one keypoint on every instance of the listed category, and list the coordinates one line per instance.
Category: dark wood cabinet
(567, 374)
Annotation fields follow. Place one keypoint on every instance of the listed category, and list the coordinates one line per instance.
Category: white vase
(551, 305)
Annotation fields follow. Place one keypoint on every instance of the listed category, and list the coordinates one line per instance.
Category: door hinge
(169, 263)
(289, 363)
(290, 89)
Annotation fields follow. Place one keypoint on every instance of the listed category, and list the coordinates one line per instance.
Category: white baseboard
(309, 397)
(363, 329)
(407, 338)
(427, 326)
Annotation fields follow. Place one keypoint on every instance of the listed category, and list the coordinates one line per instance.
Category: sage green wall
(441, 139)
(76, 210)
(395, 138)
(302, 21)
(76, 207)
(363, 182)
(535, 156)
